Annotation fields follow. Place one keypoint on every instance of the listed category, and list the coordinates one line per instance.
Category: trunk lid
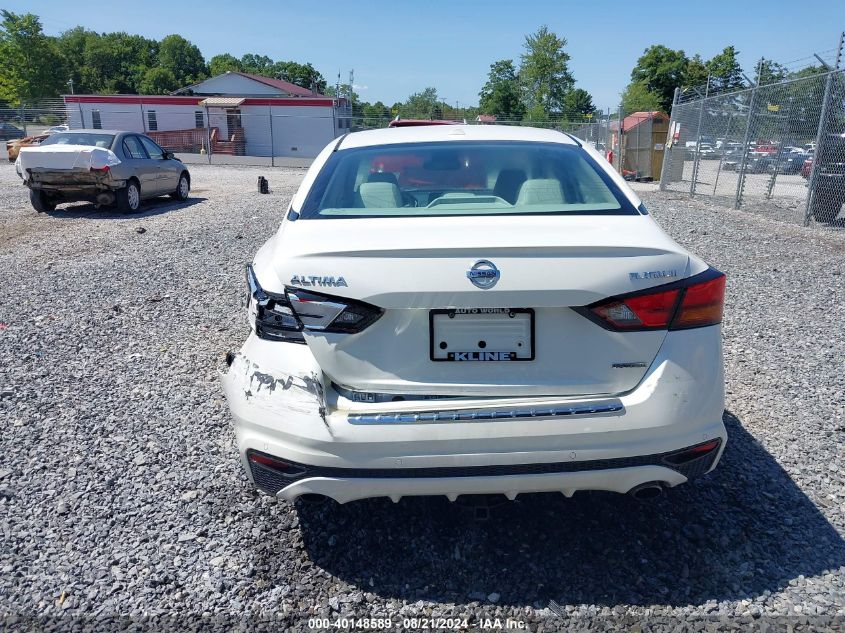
(410, 267)
(66, 157)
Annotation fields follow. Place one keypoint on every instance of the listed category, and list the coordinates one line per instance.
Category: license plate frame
(474, 312)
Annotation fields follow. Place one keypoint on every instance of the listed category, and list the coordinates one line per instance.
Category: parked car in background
(13, 148)
(56, 129)
(100, 166)
(9, 131)
(539, 333)
(755, 163)
(807, 167)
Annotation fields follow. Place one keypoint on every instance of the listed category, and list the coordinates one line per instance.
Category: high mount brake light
(694, 302)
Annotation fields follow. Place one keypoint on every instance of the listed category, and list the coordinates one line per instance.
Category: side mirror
(169, 156)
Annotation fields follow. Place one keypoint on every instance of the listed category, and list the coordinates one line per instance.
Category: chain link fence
(777, 149)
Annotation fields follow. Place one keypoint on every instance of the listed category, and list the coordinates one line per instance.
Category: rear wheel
(129, 197)
(183, 188)
(41, 202)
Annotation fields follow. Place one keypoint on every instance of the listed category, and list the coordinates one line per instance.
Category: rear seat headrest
(540, 191)
(380, 195)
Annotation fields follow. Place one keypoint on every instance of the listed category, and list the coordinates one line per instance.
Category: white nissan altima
(453, 310)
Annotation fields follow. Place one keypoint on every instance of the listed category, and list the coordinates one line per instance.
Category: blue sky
(400, 47)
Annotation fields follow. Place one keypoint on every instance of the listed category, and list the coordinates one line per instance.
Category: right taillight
(694, 302)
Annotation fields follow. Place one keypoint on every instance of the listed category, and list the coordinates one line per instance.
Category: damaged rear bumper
(282, 408)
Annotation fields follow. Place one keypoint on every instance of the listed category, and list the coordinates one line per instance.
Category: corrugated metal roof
(635, 118)
(222, 102)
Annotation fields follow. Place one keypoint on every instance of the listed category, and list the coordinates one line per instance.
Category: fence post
(666, 153)
(779, 155)
(272, 143)
(740, 183)
(23, 117)
(697, 158)
(619, 142)
(208, 133)
(722, 153)
(821, 133)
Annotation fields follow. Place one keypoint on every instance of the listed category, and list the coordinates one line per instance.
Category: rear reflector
(276, 464)
(689, 303)
(689, 454)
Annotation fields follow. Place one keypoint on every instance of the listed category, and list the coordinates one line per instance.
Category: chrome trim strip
(481, 415)
(372, 397)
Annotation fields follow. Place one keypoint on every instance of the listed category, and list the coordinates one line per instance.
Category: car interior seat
(508, 183)
(380, 195)
(540, 191)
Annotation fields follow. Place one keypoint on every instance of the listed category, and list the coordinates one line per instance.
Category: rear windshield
(79, 138)
(463, 178)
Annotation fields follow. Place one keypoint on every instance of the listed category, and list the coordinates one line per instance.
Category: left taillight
(694, 302)
(324, 313)
(271, 314)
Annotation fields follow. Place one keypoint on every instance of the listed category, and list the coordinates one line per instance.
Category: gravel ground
(121, 493)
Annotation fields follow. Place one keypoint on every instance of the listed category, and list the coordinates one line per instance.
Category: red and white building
(232, 113)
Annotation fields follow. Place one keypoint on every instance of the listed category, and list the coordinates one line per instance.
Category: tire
(129, 197)
(41, 202)
(183, 189)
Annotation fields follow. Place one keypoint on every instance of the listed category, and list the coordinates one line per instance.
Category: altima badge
(483, 274)
(654, 274)
(314, 280)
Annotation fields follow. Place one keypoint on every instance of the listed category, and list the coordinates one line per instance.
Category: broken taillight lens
(694, 302)
(271, 313)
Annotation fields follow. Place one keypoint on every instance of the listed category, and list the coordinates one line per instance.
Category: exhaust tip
(646, 491)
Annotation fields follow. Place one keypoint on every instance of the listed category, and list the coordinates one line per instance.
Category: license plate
(482, 334)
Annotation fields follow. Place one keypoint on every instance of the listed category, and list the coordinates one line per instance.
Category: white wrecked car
(455, 310)
(100, 166)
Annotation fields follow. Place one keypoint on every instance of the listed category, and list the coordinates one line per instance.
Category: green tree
(257, 64)
(808, 71)
(220, 64)
(769, 72)
(116, 62)
(500, 96)
(638, 98)
(31, 68)
(695, 73)
(544, 72)
(183, 59)
(577, 104)
(422, 105)
(725, 71)
(158, 81)
(661, 70)
(303, 75)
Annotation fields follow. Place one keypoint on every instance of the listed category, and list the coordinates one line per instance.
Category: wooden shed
(643, 144)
